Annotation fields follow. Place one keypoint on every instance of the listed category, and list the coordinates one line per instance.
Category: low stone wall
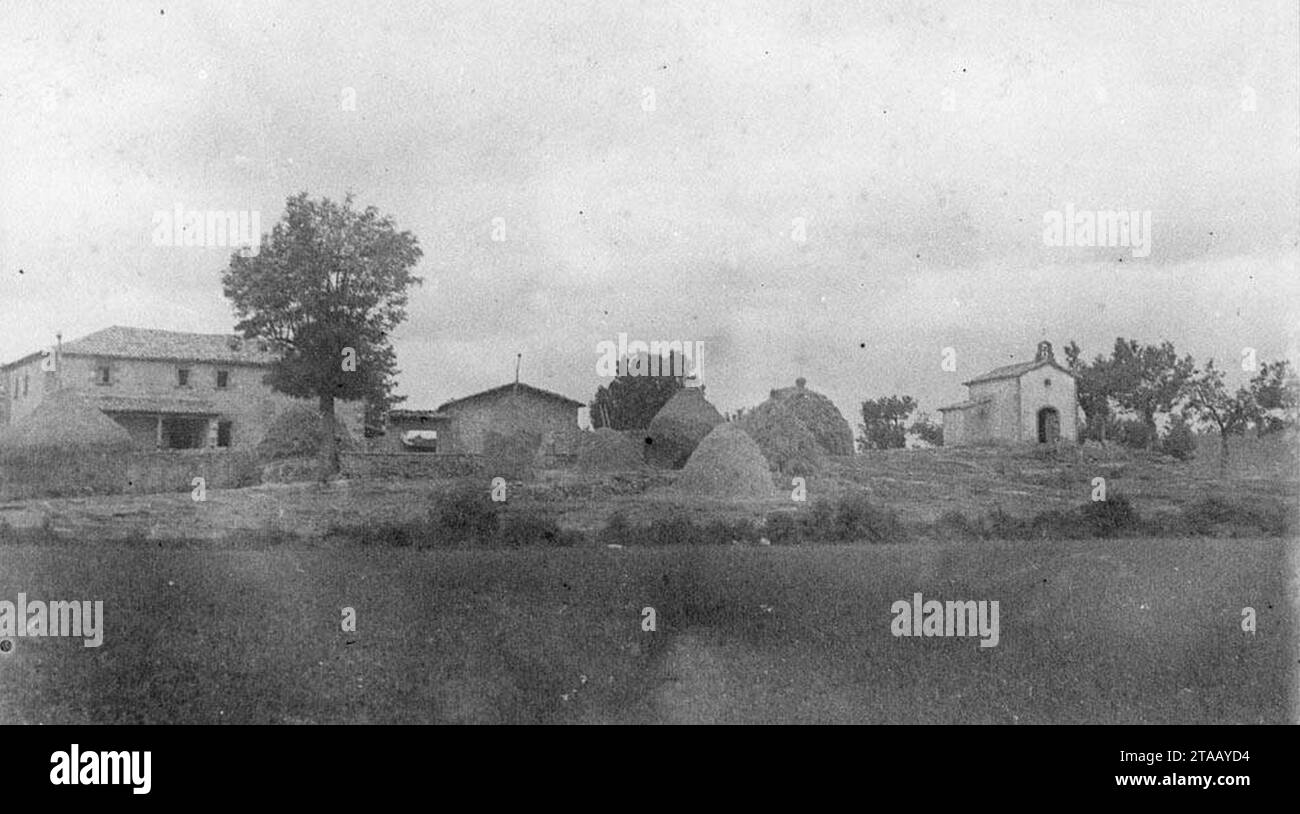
(408, 465)
(112, 473)
(175, 471)
(64, 474)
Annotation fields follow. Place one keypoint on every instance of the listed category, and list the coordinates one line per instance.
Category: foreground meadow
(1106, 631)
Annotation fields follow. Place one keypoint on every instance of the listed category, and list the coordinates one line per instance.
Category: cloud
(918, 145)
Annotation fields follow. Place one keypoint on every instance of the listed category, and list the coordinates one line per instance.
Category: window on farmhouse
(223, 379)
(102, 375)
(223, 433)
(183, 377)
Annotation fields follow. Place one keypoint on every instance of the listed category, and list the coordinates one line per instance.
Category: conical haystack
(560, 446)
(512, 442)
(607, 450)
(66, 447)
(817, 413)
(679, 427)
(296, 433)
(726, 464)
(788, 445)
(64, 422)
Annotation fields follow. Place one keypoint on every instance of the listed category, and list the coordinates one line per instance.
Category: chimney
(1044, 352)
(800, 382)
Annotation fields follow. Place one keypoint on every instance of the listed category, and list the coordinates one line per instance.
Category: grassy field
(1131, 631)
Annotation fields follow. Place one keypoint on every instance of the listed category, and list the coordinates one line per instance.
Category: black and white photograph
(650, 362)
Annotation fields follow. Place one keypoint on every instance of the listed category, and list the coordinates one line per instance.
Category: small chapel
(1026, 403)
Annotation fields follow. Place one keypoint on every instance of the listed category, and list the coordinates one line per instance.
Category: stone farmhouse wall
(471, 420)
(248, 404)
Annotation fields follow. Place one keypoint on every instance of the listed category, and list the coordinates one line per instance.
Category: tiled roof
(965, 405)
(147, 404)
(1016, 371)
(416, 415)
(144, 343)
(536, 391)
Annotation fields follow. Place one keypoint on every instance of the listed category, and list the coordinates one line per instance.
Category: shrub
(1109, 517)
(783, 528)
(954, 524)
(1167, 524)
(1133, 433)
(819, 522)
(999, 525)
(1269, 518)
(724, 531)
(664, 531)
(530, 528)
(1179, 441)
(245, 469)
(469, 514)
(1055, 524)
(857, 518)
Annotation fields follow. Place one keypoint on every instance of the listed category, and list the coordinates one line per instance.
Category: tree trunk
(329, 452)
(1153, 432)
(1223, 454)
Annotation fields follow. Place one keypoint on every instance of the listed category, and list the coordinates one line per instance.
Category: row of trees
(1149, 381)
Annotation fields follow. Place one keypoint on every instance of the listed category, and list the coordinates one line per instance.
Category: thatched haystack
(296, 433)
(560, 447)
(65, 422)
(66, 447)
(607, 450)
(511, 455)
(513, 441)
(788, 445)
(679, 427)
(726, 464)
(815, 412)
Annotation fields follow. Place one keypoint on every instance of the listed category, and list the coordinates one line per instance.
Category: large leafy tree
(1149, 379)
(884, 422)
(1094, 384)
(326, 288)
(927, 430)
(1276, 391)
(1209, 398)
(630, 401)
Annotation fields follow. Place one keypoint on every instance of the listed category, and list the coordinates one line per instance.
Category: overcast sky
(650, 162)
